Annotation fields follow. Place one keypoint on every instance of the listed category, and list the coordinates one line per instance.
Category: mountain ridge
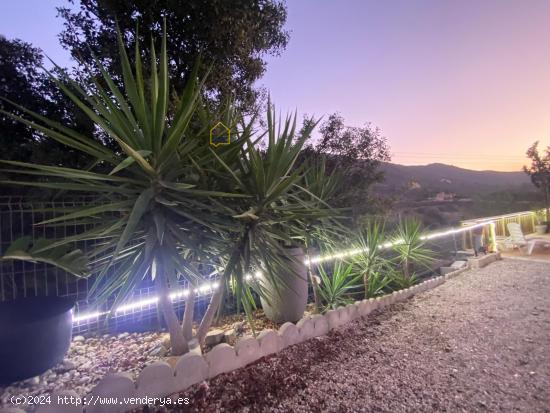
(439, 177)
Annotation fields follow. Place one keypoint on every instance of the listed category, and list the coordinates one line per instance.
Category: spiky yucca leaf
(337, 285)
(410, 247)
(371, 261)
(41, 250)
(150, 196)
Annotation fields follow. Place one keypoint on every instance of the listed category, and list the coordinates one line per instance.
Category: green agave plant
(166, 204)
(399, 281)
(322, 188)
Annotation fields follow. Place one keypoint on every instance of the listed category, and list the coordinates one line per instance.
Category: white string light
(207, 288)
(147, 302)
(387, 245)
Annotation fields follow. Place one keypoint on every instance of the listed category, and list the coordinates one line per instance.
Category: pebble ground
(478, 343)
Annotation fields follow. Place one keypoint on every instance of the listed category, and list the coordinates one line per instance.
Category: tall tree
(19, 81)
(22, 81)
(357, 152)
(539, 171)
(233, 36)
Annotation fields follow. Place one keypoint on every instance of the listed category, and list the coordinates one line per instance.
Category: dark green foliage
(357, 153)
(234, 36)
(397, 280)
(539, 171)
(410, 247)
(22, 81)
(165, 201)
(41, 250)
(336, 287)
(372, 264)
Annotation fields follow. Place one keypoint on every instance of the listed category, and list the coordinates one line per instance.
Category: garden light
(147, 302)
(387, 245)
(209, 287)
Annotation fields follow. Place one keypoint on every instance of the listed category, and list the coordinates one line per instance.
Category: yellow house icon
(220, 135)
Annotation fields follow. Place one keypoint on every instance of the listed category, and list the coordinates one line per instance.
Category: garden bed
(92, 357)
(90, 360)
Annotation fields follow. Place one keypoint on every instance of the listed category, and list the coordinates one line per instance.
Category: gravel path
(480, 342)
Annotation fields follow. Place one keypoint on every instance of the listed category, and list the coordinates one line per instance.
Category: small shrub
(337, 289)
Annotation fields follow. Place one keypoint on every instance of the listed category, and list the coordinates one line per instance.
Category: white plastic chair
(518, 239)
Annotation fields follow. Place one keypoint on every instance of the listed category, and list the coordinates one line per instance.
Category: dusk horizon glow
(463, 83)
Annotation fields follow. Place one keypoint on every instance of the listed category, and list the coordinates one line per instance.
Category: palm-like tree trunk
(187, 323)
(314, 284)
(208, 317)
(216, 300)
(366, 277)
(177, 341)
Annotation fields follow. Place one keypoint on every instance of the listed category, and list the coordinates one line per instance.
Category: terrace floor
(479, 342)
(540, 253)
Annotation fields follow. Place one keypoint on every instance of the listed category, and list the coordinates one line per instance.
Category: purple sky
(460, 82)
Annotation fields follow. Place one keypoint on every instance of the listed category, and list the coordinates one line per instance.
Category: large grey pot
(288, 302)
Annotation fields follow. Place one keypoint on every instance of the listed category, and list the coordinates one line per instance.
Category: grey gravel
(478, 343)
(87, 362)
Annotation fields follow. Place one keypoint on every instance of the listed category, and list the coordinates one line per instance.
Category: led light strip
(210, 287)
(497, 217)
(146, 302)
(388, 245)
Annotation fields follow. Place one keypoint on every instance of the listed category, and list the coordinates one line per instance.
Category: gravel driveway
(480, 342)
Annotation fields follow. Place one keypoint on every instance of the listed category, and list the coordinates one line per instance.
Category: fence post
(493, 237)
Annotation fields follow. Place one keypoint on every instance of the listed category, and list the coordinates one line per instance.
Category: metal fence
(22, 216)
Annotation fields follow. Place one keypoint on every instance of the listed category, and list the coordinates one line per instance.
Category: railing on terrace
(17, 279)
(526, 219)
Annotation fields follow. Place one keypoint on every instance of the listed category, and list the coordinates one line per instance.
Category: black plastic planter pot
(35, 334)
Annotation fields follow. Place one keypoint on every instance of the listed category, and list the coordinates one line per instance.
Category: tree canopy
(539, 171)
(357, 153)
(23, 82)
(232, 37)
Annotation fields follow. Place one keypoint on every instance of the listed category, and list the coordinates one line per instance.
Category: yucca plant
(337, 286)
(64, 257)
(410, 247)
(166, 204)
(371, 262)
(397, 280)
(274, 202)
(319, 187)
(155, 217)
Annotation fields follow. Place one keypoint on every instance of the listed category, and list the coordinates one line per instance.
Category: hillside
(438, 177)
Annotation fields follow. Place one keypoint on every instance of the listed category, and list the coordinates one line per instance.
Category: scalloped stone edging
(222, 359)
(481, 262)
(159, 379)
(116, 385)
(290, 334)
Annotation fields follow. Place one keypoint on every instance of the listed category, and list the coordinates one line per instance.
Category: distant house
(445, 196)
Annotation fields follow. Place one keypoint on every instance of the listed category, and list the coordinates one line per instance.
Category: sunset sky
(459, 82)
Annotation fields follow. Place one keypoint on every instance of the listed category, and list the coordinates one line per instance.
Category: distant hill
(438, 177)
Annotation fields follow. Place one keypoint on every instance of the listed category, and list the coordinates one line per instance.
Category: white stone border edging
(159, 379)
